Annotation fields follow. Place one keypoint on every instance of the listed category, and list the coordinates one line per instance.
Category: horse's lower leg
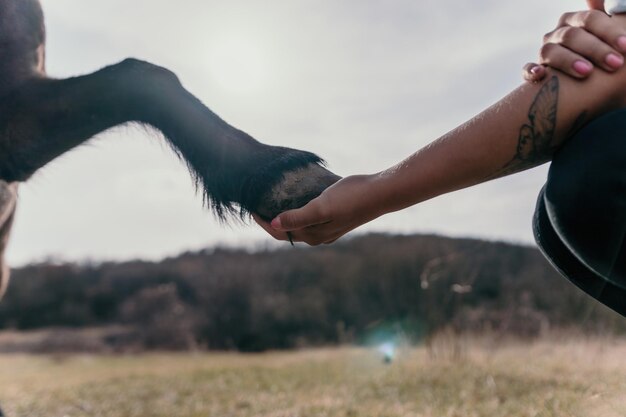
(45, 118)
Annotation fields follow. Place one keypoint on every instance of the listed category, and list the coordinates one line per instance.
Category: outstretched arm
(521, 131)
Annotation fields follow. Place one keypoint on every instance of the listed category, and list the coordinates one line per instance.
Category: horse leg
(45, 118)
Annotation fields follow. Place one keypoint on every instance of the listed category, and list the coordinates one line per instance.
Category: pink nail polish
(536, 70)
(276, 224)
(582, 67)
(621, 42)
(614, 60)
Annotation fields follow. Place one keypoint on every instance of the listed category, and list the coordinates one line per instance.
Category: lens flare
(388, 351)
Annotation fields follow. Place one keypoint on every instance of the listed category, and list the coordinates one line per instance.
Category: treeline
(284, 298)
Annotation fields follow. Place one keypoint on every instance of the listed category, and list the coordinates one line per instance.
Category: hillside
(362, 288)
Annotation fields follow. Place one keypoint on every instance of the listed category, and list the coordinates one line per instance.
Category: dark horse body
(42, 118)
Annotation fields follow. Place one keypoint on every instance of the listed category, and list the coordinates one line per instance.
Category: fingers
(599, 24)
(309, 215)
(581, 41)
(563, 59)
(316, 235)
(312, 236)
(269, 229)
(574, 50)
(534, 72)
(309, 224)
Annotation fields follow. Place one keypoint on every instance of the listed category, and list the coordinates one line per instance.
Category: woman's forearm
(521, 131)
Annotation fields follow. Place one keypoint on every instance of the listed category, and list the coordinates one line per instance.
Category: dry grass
(549, 378)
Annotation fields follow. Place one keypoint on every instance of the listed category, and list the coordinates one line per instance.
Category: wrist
(391, 193)
(364, 194)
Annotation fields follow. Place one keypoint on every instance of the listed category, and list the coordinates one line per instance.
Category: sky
(362, 83)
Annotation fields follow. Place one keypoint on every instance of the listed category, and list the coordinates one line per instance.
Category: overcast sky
(362, 83)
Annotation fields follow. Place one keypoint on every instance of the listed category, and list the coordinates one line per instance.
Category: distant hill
(347, 292)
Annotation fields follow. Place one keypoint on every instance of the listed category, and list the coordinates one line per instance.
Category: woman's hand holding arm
(581, 41)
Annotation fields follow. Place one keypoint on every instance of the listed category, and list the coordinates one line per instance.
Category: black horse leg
(45, 118)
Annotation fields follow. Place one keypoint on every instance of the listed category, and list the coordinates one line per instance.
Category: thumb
(596, 4)
(306, 216)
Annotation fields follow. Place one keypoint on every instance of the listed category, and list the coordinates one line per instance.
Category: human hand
(342, 207)
(581, 41)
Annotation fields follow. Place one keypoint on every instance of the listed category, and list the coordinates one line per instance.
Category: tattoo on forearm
(535, 142)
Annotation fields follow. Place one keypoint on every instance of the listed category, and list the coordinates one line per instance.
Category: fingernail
(582, 67)
(276, 224)
(614, 60)
(621, 42)
(536, 70)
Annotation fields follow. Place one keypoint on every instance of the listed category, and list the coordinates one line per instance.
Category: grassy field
(567, 378)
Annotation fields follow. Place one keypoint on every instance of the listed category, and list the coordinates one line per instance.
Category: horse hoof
(296, 189)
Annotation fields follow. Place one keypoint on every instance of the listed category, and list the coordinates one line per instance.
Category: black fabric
(571, 267)
(580, 219)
